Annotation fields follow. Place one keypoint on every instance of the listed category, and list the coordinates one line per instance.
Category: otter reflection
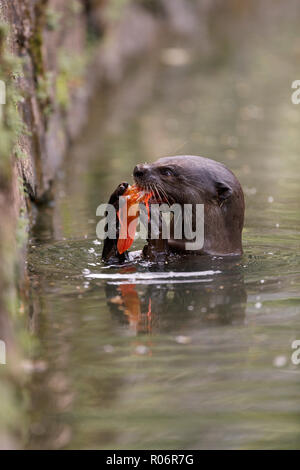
(218, 299)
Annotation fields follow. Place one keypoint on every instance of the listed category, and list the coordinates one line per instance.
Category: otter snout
(143, 175)
(140, 171)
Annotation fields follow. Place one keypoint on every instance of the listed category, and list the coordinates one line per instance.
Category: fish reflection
(177, 305)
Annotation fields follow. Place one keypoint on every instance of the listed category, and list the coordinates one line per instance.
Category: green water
(192, 362)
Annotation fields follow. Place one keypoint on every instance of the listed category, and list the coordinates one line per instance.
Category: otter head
(197, 180)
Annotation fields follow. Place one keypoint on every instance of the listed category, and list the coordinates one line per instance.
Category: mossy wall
(43, 55)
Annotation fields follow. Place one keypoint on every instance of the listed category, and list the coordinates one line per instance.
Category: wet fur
(198, 180)
(192, 180)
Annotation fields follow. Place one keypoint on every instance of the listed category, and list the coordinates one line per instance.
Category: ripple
(158, 277)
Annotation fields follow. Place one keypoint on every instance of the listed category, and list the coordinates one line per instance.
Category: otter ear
(223, 192)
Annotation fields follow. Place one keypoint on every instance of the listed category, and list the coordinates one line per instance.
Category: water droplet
(183, 339)
(141, 349)
(280, 361)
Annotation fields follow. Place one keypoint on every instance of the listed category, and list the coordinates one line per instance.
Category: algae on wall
(11, 127)
(28, 70)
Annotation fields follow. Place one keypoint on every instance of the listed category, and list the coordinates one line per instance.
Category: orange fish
(128, 222)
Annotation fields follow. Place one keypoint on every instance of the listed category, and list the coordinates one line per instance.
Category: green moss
(71, 70)
(22, 229)
(36, 43)
(20, 153)
(36, 38)
(43, 92)
(62, 92)
(11, 123)
(75, 7)
(53, 19)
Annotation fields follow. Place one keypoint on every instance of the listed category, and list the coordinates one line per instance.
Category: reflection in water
(136, 357)
(220, 300)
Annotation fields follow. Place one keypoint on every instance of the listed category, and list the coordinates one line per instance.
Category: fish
(128, 215)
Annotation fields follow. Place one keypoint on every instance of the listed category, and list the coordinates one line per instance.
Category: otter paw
(119, 191)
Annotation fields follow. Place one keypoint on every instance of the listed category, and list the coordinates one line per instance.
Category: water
(135, 357)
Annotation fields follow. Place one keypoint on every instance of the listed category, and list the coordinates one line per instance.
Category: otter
(188, 179)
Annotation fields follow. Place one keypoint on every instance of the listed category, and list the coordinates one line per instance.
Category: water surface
(135, 357)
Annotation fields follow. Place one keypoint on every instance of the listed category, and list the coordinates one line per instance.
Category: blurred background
(198, 362)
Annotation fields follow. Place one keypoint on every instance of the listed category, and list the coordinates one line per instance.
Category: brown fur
(197, 180)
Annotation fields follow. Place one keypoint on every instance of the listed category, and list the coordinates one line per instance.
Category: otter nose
(140, 171)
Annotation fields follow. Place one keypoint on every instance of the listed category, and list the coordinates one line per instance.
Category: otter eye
(167, 172)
